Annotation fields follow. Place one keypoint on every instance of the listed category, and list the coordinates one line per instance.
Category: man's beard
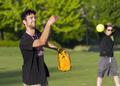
(33, 26)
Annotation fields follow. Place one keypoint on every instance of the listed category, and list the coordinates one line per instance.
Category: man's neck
(31, 32)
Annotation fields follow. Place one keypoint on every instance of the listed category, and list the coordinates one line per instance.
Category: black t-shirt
(107, 43)
(34, 69)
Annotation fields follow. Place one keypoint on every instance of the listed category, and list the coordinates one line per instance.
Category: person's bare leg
(99, 81)
(116, 80)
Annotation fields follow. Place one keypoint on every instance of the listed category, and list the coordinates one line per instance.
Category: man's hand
(44, 36)
(51, 46)
(52, 20)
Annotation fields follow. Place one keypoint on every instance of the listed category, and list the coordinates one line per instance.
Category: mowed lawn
(83, 72)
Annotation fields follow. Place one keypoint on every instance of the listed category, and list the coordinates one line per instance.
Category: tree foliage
(103, 11)
(77, 18)
(67, 28)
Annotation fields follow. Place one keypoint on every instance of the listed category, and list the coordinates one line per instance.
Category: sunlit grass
(83, 72)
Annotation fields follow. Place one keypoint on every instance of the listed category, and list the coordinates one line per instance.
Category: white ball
(100, 28)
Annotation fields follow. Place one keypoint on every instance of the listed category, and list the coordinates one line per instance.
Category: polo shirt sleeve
(26, 43)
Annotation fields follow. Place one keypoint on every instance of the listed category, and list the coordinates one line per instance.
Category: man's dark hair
(27, 12)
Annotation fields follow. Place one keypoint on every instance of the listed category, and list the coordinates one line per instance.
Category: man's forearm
(43, 38)
(51, 46)
(45, 34)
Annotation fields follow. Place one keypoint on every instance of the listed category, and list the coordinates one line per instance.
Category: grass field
(83, 72)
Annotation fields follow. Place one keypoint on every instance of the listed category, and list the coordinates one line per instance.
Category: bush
(9, 43)
(81, 48)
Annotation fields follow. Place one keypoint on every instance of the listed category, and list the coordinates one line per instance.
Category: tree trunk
(2, 34)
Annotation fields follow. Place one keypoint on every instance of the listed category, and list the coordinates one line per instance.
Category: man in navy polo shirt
(34, 70)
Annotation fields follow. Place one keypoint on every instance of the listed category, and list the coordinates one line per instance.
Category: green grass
(83, 72)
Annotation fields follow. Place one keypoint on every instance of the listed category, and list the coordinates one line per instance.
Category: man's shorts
(107, 66)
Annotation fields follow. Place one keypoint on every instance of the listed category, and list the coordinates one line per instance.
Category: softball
(100, 27)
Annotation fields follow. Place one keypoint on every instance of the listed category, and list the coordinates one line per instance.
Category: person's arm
(116, 31)
(45, 34)
(51, 46)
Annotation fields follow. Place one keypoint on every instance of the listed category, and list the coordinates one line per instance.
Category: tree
(66, 30)
(100, 11)
(10, 16)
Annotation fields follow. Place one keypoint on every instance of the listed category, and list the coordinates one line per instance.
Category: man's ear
(24, 22)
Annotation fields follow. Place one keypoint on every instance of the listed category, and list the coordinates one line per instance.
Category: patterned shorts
(107, 66)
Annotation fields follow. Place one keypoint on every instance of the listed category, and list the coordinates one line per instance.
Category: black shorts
(107, 66)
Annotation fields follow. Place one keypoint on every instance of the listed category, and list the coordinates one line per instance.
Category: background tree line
(76, 24)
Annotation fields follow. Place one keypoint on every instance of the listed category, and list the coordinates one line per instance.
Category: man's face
(109, 30)
(30, 21)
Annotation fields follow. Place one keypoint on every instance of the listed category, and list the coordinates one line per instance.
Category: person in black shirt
(34, 69)
(108, 64)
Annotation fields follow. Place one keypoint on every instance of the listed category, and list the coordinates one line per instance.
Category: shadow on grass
(56, 74)
(14, 78)
(10, 78)
(53, 69)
